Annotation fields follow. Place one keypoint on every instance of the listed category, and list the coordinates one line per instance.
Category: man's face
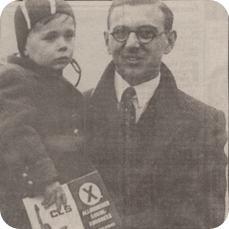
(135, 61)
(51, 45)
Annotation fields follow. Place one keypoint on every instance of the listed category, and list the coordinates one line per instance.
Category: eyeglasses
(145, 34)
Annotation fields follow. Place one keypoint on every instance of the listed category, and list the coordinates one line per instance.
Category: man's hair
(168, 14)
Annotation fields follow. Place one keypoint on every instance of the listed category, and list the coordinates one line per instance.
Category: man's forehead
(137, 15)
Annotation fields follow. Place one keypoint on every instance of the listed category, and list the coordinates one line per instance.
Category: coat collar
(160, 123)
(164, 105)
(31, 65)
(105, 87)
(104, 101)
(165, 95)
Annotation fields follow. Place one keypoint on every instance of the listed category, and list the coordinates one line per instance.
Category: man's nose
(132, 40)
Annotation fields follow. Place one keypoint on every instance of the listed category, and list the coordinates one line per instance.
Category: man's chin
(132, 73)
(132, 78)
(136, 77)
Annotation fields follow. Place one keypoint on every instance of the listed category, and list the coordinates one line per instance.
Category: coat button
(24, 175)
(30, 182)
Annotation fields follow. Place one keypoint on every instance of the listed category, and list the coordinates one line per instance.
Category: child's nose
(62, 44)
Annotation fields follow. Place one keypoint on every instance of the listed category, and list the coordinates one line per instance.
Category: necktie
(127, 125)
(127, 112)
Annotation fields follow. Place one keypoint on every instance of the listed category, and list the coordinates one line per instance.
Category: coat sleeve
(23, 151)
(215, 182)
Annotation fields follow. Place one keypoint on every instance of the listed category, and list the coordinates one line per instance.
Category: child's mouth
(63, 59)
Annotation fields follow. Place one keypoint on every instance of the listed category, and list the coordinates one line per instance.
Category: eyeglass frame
(134, 31)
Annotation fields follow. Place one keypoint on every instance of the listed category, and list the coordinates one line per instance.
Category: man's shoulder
(196, 108)
(192, 106)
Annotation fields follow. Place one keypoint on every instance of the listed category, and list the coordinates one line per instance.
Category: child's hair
(30, 12)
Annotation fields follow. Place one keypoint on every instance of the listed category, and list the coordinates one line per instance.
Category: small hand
(54, 193)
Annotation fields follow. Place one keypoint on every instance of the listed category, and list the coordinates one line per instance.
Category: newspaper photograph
(114, 114)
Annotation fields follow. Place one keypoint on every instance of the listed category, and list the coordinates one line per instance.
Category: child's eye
(69, 35)
(50, 37)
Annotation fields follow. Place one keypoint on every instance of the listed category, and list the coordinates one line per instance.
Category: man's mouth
(133, 59)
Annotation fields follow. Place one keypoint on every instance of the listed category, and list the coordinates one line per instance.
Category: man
(158, 150)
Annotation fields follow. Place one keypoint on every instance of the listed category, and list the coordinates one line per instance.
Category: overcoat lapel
(161, 122)
(104, 102)
(163, 110)
(103, 114)
(163, 114)
(167, 118)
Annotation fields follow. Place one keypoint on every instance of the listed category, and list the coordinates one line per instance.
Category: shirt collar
(120, 86)
(144, 91)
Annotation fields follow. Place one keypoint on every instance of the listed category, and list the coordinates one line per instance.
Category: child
(40, 112)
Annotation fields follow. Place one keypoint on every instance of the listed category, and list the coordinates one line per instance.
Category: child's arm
(64, 143)
(59, 144)
(23, 150)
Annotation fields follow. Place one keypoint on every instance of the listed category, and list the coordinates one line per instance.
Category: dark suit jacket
(175, 177)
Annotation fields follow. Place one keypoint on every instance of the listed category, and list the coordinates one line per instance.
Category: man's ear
(106, 38)
(171, 36)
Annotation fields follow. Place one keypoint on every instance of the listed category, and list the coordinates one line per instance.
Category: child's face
(51, 45)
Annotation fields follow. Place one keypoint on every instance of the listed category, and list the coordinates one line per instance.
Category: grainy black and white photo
(114, 114)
